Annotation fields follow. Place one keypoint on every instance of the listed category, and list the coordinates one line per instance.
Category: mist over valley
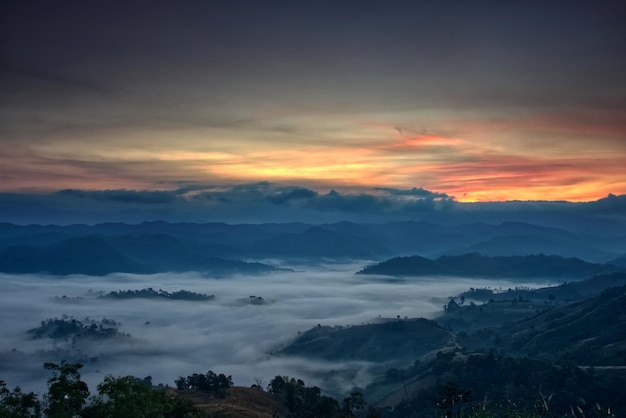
(343, 306)
(227, 332)
(286, 209)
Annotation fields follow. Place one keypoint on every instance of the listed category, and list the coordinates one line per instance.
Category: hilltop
(476, 265)
(394, 341)
(239, 402)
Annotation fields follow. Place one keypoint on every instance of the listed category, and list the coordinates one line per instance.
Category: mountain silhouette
(320, 242)
(473, 265)
(78, 255)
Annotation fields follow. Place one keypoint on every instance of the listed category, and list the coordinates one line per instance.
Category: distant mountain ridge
(320, 242)
(93, 255)
(506, 245)
(222, 248)
(476, 265)
(85, 255)
(343, 239)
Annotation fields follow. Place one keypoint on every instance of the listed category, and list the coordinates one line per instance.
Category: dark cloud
(394, 201)
(122, 195)
(360, 203)
(429, 205)
(271, 202)
(611, 204)
(255, 188)
(415, 191)
(298, 193)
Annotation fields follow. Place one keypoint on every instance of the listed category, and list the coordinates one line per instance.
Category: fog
(173, 338)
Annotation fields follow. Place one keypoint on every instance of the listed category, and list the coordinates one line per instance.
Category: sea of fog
(174, 338)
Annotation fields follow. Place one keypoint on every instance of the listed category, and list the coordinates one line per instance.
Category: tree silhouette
(67, 393)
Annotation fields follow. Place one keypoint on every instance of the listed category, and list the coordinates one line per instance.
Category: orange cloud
(345, 166)
(497, 177)
(529, 158)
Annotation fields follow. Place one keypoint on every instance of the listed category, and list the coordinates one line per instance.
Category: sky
(478, 101)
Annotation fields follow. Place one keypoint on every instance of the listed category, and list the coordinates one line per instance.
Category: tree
(303, 401)
(130, 397)
(353, 404)
(67, 394)
(17, 404)
(210, 382)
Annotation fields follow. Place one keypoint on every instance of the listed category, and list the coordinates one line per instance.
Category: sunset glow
(481, 115)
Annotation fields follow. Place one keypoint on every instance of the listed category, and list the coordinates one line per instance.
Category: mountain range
(93, 255)
(222, 248)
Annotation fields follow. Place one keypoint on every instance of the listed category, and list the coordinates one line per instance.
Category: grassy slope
(240, 402)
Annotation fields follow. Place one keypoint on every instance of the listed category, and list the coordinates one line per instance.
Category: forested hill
(590, 332)
(568, 291)
(476, 265)
(396, 341)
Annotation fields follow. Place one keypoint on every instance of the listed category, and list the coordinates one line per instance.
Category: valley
(344, 319)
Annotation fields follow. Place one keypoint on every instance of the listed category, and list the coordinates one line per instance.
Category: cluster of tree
(304, 402)
(255, 300)
(66, 298)
(150, 293)
(70, 328)
(69, 397)
(217, 384)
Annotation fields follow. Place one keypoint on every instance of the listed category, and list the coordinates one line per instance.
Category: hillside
(591, 332)
(320, 242)
(508, 245)
(93, 255)
(395, 341)
(498, 386)
(569, 291)
(619, 261)
(476, 265)
(77, 255)
(239, 402)
(333, 240)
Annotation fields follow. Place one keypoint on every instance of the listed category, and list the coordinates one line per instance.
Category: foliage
(469, 386)
(210, 382)
(17, 404)
(303, 401)
(255, 300)
(131, 397)
(67, 397)
(71, 329)
(150, 293)
(67, 393)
